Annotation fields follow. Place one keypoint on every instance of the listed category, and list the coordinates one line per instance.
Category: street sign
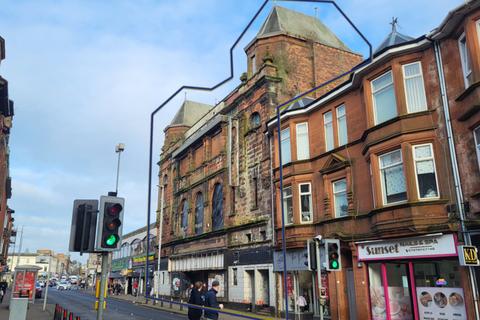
(468, 256)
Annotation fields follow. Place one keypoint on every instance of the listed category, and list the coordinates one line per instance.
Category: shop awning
(197, 261)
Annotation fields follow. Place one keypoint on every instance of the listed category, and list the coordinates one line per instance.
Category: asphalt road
(81, 304)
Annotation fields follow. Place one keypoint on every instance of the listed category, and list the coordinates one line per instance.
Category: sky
(86, 75)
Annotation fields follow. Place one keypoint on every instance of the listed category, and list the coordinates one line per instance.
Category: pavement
(35, 310)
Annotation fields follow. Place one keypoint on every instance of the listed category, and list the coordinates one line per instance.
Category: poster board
(24, 284)
(441, 303)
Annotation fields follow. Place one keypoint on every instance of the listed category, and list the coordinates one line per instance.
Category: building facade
(6, 219)
(215, 205)
(369, 163)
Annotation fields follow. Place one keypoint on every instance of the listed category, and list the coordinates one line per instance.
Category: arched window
(199, 214)
(217, 207)
(254, 120)
(184, 216)
(136, 247)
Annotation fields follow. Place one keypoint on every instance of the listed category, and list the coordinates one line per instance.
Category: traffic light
(109, 231)
(332, 253)
(311, 255)
(84, 226)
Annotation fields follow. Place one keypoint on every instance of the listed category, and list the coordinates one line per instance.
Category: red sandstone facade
(390, 169)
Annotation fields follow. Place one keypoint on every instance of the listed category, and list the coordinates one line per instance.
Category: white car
(63, 285)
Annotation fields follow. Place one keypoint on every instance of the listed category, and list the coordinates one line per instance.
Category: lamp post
(119, 148)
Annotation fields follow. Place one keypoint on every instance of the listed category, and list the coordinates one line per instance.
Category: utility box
(18, 308)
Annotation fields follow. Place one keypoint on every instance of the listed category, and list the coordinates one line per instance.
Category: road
(81, 304)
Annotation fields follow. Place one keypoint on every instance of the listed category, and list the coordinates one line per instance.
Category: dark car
(38, 290)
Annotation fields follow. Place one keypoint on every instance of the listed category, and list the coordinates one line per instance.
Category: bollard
(70, 317)
(181, 304)
(161, 302)
(171, 299)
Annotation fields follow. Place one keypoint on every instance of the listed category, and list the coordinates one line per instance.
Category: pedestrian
(196, 299)
(2, 293)
(302, 303)
(135, 287)
(188, 292)
(211, 301)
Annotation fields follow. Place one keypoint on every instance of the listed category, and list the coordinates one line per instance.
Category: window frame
(477, 145)
(334, 193)
(285, 211)
(425, 107)
(434, 169)
(373, 91)
(307, 138)
(300, 194)
(338, 124)
(465, 73)
(325, 131)
(384, 194)
(289, 144)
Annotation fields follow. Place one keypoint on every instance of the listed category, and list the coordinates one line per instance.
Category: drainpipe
(229, 152)
(454, 162)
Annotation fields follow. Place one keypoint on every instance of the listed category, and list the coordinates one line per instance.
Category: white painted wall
(241, 293)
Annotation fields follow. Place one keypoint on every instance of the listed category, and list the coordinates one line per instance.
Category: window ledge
(467, 91)
(469, 113)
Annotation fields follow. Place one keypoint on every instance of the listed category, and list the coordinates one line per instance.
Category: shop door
(351, 294)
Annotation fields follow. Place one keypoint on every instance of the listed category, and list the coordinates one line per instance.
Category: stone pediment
(334, 163)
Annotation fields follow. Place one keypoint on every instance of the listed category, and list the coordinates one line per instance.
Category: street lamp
(119, 148)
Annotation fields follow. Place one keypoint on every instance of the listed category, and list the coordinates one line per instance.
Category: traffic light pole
(103, 283)
(319, 279)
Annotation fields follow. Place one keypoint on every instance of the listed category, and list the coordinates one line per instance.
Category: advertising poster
(441, 303)
(377, 298)
(24, 285)
(400, 305)
(220, 279)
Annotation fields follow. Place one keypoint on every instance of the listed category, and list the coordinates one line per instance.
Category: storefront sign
(141, 259)
(408, 248)
(441, 303)
(468, 256)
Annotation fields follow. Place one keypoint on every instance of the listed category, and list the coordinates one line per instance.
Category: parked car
(63, 285)
(38, 290)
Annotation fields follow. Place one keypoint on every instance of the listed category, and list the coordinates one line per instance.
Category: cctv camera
(318, 237)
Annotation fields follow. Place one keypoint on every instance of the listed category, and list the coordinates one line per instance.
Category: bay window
(465, 60)
(392, 177)
(328, 129)
(414, 87)
(342, 125)
(425, 171)
(285, 143)
(303, 151)
(306, 212)
(340, 202)
(288, 205)
(383, 95)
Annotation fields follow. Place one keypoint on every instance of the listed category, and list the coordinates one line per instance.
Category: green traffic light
(111, 240)
(334, 264)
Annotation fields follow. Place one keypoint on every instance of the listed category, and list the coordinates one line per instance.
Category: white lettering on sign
(418, 247)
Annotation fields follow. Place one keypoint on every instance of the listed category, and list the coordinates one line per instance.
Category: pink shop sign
(428, 246)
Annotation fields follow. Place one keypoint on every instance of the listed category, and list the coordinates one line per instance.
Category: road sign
(468, 256)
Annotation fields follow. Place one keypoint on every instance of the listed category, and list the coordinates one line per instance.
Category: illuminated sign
(468, 256)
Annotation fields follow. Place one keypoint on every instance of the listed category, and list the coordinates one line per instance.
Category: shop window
(465, 60)
(306, 211)
(377, 293)
(342, 125)
(443, 273)
(476, 136)
(288, 205)
(217, 207)
(414, 87)
(392, 177)
(285, 144)
(340, 198)
(184, 216)
(303, 146)
(425, 171)
(255, 120)
(383, 95)
(199, 214)
(328, 129)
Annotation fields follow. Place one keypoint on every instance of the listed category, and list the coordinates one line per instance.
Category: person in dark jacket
(211, 301)
(196, 299)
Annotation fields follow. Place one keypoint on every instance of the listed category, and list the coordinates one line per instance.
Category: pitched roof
(190, 112)
(393, 38)
(285, 21)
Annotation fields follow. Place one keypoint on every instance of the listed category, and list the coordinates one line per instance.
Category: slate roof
(300, 103)
(393, 39)
(190, 112)
(285, 21)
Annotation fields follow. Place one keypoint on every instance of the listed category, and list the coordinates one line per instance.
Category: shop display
(441, 303)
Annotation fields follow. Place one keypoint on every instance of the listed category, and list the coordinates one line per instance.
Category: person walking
(211, 301)
(196, 299)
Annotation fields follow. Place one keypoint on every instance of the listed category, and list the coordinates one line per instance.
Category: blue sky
(85, 75)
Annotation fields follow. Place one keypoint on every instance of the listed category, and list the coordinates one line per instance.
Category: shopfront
(415, 278)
